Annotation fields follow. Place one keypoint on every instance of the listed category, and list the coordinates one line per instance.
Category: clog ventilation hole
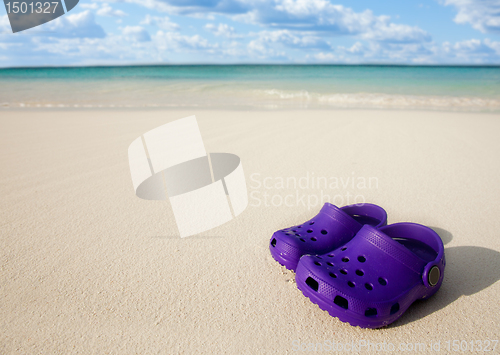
(341, 301)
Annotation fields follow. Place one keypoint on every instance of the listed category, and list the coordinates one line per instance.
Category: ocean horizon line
(388, 65)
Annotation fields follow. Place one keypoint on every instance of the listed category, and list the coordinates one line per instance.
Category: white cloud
(107, 10)
(343, 54)
(357, 53)
(234, 49)
(493, 45)
(290, 39)
(305, 15)
(261, 50)
(169, 41)
(5, 24)
(73, 25)
(483, 15)
(162, 23)
(325, 57)
(80, 25)
(91, 6)
(203, 7)
(321, 15)
(274, 44)
(113, 49)
(356, 48)
(136, 33)
(472, 51)
(471, 46)
(222, 30)
(390, 32)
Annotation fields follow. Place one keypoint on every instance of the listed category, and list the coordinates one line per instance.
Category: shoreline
(237, 109)
(256, 88)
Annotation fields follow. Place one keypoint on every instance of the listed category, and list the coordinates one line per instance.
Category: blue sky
(103, 32)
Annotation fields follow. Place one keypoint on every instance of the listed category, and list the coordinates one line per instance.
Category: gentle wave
(376, 100)
(59, 105)
(267, 99)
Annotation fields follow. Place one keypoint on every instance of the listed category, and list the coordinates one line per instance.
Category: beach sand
(88, 267)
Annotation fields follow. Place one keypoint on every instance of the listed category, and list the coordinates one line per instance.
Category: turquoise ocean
(254, 87)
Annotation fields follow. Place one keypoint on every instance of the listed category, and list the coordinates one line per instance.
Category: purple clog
(329, 229)
(372, 279)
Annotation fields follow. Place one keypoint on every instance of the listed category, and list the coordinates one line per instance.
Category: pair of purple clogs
(352, 264)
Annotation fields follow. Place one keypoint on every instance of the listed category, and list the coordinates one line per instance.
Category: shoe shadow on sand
(468, 270)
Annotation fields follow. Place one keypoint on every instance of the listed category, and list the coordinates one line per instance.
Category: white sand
(87, 267)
